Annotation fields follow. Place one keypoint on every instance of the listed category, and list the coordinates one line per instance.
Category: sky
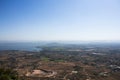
(36, 20)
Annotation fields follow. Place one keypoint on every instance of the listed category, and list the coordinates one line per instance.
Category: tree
(8, 74)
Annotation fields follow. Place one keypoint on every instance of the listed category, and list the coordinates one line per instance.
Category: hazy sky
(34, 20)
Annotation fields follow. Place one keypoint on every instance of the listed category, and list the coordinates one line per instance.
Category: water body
(24, 46)
(32, 46)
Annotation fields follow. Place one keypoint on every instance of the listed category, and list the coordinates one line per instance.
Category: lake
(25, 46)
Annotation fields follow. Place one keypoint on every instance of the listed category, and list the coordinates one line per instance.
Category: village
(64, 63)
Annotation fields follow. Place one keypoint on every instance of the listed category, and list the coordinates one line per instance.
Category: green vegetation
(45, 59)
(8, 74)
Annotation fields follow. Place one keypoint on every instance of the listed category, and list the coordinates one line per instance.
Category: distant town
(57, 61)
